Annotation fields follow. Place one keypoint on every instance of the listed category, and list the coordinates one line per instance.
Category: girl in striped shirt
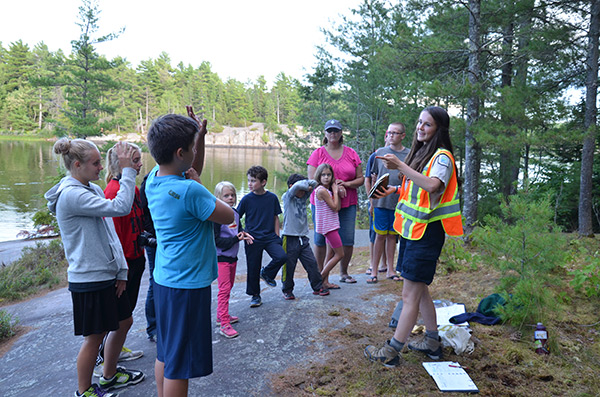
(327, 222)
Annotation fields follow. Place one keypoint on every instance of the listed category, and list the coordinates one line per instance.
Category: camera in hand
(146, 240)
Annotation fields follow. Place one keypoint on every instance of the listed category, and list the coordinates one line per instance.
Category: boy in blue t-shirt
(262, 210)
(183, 212)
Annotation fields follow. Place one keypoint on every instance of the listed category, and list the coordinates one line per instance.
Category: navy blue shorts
(99, 311)
(347, 225)
(417, 259)
(183, 330)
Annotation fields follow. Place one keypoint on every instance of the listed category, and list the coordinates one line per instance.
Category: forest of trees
(502, 68)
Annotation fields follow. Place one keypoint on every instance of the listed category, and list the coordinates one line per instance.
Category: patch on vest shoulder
(173, 194)
(443, 160)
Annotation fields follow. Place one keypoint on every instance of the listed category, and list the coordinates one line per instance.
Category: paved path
(10, 251)
(273, 337)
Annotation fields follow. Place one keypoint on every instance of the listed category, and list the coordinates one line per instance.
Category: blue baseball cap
(333, 124)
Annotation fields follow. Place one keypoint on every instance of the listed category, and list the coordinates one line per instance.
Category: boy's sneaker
(430, 346)
(95, 391)
(270, 282)
(322, 292)
(228, 331)
(289, 296)
(232, 320)
(386, 355)
(98, 370)
(122, 378)
(129, 355)
(256, 301)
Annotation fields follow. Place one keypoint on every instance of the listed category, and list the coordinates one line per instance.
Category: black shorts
(99, 311)
(417, 259)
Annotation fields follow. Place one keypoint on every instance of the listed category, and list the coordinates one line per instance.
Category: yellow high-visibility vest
(414, 212)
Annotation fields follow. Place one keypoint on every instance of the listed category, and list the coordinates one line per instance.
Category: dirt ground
(503, 364)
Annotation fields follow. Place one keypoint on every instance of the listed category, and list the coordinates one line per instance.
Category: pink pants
(226, 279)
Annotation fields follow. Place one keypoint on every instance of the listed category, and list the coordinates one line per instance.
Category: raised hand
(125, 154)
(201, 123)
(390, 161)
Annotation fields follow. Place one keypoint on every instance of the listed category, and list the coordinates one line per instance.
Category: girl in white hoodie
(97, 272)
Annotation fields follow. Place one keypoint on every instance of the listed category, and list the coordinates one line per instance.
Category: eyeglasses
(394, 133)
(333, 131)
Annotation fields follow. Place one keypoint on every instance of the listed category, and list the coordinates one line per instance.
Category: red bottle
(541, 339)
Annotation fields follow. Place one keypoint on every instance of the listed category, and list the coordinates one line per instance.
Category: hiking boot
(232, 320)
(322, 292)
(95, 391)
(256, 301)
(386, 355)
(228, 331)
(270, 282)
(288, 296)
(122, 378)
(129, 355)
(430, 346)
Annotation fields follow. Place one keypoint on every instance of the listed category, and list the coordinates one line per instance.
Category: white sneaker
(98, 370)
(130, 355)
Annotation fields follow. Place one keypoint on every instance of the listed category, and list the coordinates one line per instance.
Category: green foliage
(455, 256)
(87, 78)
(586, 278)
(45, 222)
(7, 325)
(39, 268)
(528, 249)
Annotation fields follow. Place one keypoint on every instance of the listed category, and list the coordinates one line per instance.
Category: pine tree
(87, 76)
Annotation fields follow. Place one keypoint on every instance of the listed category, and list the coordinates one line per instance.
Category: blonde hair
(222, 185)
(113, 168)
(74, 150)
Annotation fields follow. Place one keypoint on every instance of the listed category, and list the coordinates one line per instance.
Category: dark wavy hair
(258, 172)
(420, 154)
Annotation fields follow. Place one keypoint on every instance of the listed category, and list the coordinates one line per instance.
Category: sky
(241, 39)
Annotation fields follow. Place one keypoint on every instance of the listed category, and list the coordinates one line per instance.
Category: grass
(8, 325)
(40, 269)
(504, 362)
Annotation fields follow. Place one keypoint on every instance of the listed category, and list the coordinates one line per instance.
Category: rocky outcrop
(253, 136)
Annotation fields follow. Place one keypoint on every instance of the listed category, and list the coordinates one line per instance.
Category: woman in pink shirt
(347, 168)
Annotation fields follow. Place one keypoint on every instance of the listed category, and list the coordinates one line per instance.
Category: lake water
(29, 168)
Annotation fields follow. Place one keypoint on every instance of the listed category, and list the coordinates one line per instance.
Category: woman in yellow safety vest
(427, 210)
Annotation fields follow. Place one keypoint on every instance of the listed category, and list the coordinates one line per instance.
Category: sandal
(372, 280)
(333, 286)
(347, 279)
(369, 271)
(382, 270)
(395, 278)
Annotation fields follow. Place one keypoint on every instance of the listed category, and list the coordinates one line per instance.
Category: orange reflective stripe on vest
(413, 211)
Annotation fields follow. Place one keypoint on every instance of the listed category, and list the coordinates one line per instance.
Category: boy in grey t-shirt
(295, 236)
(383, 214)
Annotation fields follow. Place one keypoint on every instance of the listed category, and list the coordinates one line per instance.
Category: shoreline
(253, 136)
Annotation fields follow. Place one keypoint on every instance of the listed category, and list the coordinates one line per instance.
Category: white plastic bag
(459, 338)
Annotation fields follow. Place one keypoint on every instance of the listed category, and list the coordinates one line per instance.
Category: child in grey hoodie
(97, 272)
(295, 236)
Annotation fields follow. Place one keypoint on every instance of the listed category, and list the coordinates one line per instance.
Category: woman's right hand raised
(391, 162)
(125, 154)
